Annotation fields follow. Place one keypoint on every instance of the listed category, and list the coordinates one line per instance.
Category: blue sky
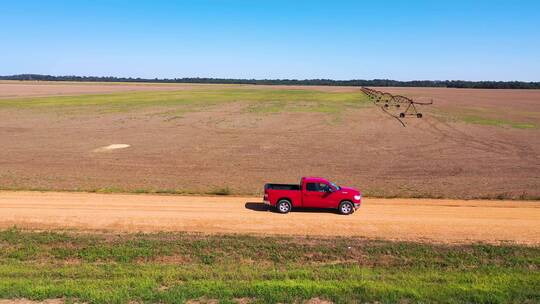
(403, 40)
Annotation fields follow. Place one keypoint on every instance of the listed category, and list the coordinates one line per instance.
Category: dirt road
(448, 221)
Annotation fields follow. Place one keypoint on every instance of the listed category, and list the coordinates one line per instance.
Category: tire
(283, 206)
(346, 208)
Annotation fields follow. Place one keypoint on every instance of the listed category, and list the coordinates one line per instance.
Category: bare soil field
(526, 100)
(440, 221)
(21, 89)
(14, 89)
(471, 143)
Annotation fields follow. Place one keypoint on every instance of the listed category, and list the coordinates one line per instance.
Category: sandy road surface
(404, 219)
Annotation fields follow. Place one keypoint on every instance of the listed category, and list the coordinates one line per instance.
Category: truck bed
(281, 187)
(274, 192)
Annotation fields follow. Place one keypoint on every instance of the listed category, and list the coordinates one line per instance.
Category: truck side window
(311, 187)
(323, 187)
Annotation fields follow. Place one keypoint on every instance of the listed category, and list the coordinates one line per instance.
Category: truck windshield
(335, 186)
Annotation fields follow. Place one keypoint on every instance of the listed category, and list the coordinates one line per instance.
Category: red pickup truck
(313, 192)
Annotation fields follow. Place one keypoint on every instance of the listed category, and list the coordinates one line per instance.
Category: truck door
(316, 195)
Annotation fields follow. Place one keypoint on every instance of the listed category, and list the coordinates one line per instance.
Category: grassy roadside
(175, 267)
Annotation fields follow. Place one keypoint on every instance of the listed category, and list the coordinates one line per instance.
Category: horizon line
(3, 77)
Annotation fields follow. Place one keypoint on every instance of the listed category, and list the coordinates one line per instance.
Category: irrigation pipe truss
(387, 101)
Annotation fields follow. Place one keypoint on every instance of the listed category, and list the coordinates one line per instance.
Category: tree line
(324, 82)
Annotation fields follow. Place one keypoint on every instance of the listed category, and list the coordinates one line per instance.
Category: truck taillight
(265, 195)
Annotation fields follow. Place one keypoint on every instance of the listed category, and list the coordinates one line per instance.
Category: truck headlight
(357, 197)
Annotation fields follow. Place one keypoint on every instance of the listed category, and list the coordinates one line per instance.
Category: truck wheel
(346, 208)
(284, 206)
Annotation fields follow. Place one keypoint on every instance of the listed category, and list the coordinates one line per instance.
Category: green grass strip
(176, 267)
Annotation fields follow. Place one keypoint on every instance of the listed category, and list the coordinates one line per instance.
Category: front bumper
(266, 202)
(357, 203)
(357, 200)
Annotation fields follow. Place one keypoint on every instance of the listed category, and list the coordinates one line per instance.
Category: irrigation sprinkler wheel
(401, 115)
(419, 115)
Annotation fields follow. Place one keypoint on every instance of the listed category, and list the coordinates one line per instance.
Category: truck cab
(312, 192)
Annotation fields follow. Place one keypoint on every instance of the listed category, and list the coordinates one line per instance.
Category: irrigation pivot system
(395, 103)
